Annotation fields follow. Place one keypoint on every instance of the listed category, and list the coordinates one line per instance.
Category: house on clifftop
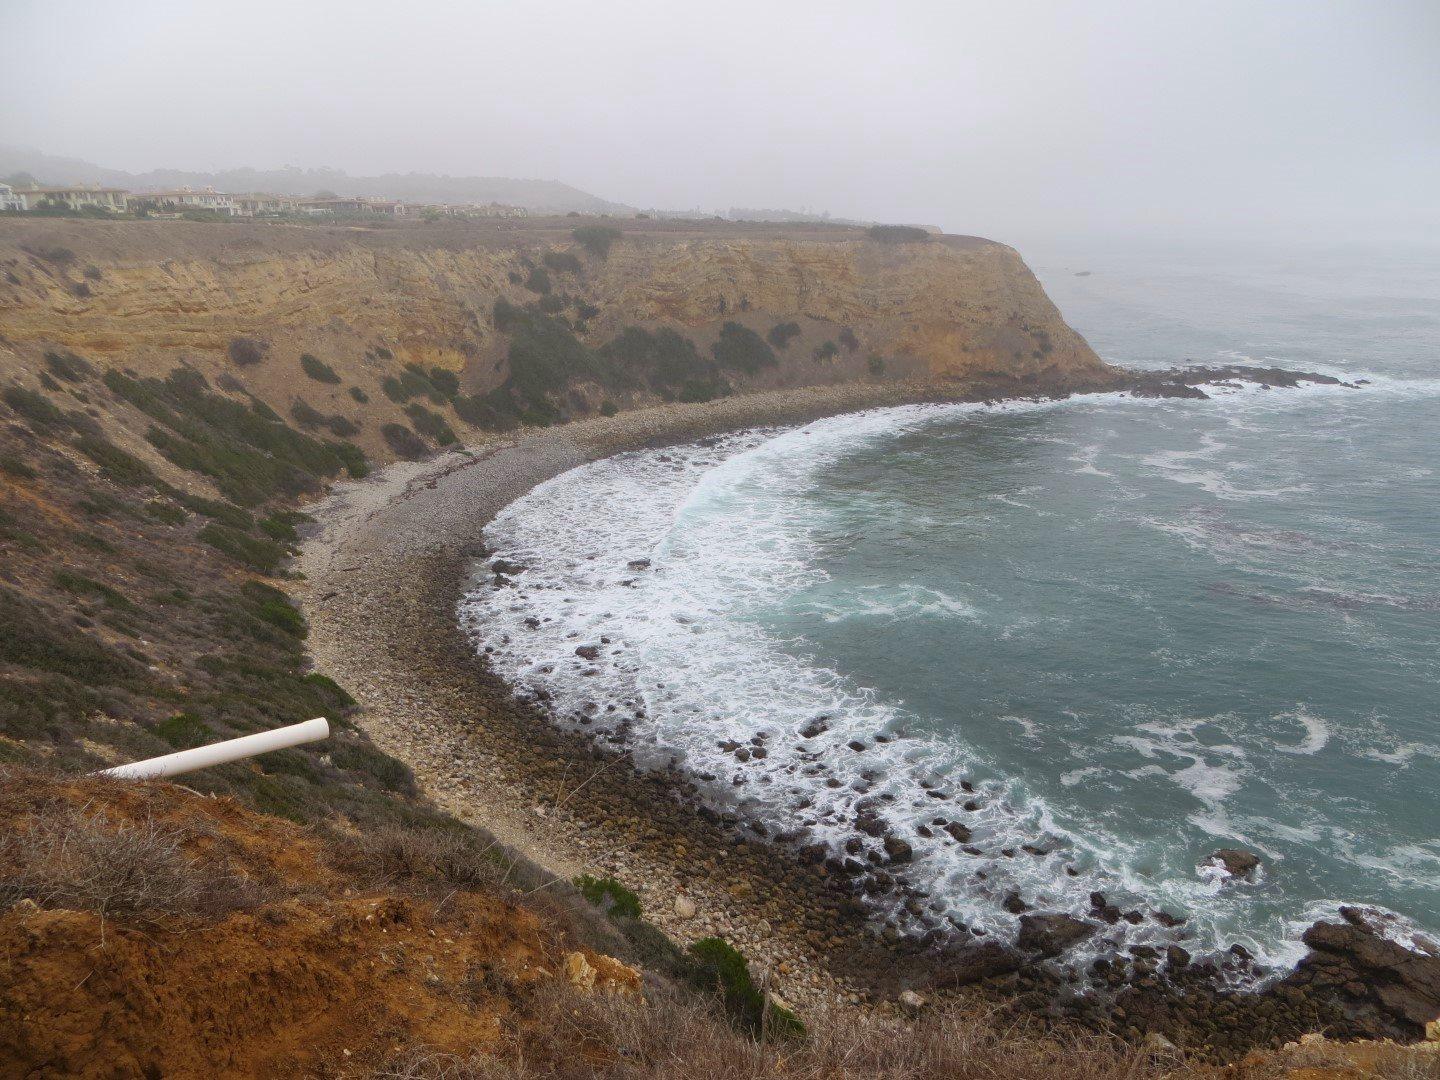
(111, 200)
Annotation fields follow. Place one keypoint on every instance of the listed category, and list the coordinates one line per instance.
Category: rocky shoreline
(382, 574)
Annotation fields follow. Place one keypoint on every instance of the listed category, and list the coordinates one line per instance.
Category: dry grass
(423, 858)
(569, 1037)
(84, 860)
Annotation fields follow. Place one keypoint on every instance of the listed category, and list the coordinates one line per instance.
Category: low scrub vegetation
(742, 349)
(404, 442)
(781, 334)
(597, 239)
(897, 234)
(246, 352)
(318, 370)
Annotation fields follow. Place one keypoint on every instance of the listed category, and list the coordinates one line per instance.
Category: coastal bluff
(616, 315)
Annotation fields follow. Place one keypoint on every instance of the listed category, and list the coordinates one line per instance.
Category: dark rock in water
(1164, 918)
(960, 833)
(973, 963)
(814, 728)
(1177, 957)
(899, 850)
(856, 745)
(638, 564)
(532, 623)
(1238, 864)
(1013, 904)
(506, 567)
(588, 652)
(1380, 984)
(1051, 934)
(870, 823)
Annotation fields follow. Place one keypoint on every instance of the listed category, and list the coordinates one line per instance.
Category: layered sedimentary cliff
(815, 306)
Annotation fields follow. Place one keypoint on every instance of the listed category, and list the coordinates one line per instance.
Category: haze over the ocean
(1021, 121)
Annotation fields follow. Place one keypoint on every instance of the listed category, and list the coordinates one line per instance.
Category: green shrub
(28, 638)
(68, 366)
(164, 513)
(742, 349)
(306, 415)
(876, 364)
(506, 315)
(849, 340)
(15, 467)
(827, 351)
(80, 585)
(359, 395)
(341, 426)
(274, 607)
(726, 970)
(596, 239)
(250, 453)
(353, 459)
(35, 408)
(477, 413)
(390, 773)
(431, 424)
(246, 351)
(609, 894)
(781, 333)
(538, 281)
(447, 382)
(115, 464)
(184, 730)
(897, 234)
(562, 262)
(404, 442)
(216, 510)
(317, 369)
(667, 362)
(585, 310)
(277, 528)
(552, 304)
(607, 408)
(253, 551)
(383, 353)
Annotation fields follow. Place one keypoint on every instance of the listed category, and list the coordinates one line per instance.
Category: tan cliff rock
(150, 296)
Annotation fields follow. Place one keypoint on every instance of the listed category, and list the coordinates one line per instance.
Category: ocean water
(1106, 636)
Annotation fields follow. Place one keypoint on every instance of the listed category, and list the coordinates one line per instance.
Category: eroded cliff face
(151, 296)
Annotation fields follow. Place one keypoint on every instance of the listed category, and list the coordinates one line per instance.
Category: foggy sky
(1016, 120)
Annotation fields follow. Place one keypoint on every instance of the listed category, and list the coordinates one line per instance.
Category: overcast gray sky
(1018, 120)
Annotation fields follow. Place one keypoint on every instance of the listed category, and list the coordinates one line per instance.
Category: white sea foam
(660, 566)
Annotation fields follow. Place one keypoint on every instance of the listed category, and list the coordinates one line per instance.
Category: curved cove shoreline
(384, 570)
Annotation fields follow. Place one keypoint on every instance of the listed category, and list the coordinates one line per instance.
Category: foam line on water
(637, 618)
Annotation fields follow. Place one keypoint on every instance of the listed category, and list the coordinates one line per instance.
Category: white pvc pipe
(202, 757)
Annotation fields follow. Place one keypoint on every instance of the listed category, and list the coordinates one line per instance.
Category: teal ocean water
(1104, 636)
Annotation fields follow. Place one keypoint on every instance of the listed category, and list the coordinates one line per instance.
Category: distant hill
(538, 195)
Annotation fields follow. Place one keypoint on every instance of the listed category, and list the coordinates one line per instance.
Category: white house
(9, 200)
(186, 198)
(73, 198)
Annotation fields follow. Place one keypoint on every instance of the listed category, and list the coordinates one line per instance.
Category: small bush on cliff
(184, 730)
(849, 340)
(742, 349)
(250, 453)
(446, 381)
(609, 894)
(562, 262)
(252, 551)
(667, 362)
(431, 424)
(115, 464)
(246, 351)
(404, 442)
(897, 234)
(35, 408)
(306, 415)
(538, 281)
(724, 966)
(359, 395)
(827, 351)
(597, 239)
(317, 369)
(781, 333)
(68, 366)
(876, 364)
